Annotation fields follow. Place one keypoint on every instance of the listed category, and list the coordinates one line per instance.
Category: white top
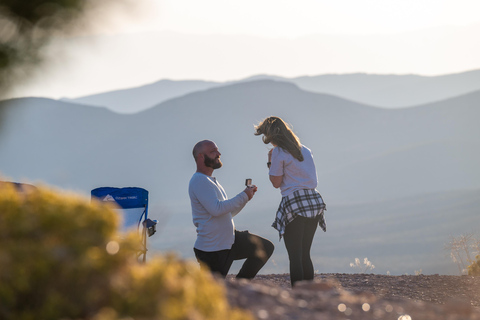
(297, 175)
(212, 213)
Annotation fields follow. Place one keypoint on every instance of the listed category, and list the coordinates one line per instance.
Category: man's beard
(210, 162)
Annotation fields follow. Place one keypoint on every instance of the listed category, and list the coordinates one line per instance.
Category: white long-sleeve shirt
(212, 213)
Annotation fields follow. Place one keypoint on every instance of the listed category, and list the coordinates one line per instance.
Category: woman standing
(291, 168)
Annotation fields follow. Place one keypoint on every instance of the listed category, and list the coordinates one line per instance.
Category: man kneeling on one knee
(218, 244)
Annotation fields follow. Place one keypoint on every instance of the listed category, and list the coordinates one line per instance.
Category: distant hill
(371, 161)
(141, 98)
(392, 91)
(388, 91)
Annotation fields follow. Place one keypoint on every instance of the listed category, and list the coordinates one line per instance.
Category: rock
(459, 307)
(316, 285)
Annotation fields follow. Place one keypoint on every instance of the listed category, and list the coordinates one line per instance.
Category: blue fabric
(126, 198)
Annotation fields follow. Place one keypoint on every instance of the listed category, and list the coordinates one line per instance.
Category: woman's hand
(269, 158)
(275, 180)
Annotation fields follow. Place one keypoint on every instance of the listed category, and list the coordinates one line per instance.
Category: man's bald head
(199, 147)
(207, 156)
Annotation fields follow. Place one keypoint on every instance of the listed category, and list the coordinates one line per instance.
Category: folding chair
(20, 187)
(134, 210)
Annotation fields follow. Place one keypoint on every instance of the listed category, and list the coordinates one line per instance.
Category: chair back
(133, 202)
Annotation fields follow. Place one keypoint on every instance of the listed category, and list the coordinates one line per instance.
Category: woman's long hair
(276, 131)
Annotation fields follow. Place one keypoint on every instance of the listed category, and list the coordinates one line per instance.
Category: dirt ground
(358, 296)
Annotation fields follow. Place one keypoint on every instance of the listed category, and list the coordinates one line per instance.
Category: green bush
(62, 258)
(474, 268)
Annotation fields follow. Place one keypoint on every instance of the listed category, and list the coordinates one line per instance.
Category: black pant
(298, 238)
(255, 249)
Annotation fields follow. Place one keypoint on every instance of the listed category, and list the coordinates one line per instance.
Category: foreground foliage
(474, 268)
(26, 27)
(461, 249)
(62, 258)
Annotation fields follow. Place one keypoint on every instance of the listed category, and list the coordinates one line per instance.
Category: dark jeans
(255, 249)
(298, 238)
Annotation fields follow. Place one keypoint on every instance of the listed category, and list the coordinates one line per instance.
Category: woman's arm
(276, 181)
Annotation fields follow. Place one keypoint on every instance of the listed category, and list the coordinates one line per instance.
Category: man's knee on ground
(263, 248)
(269, 247)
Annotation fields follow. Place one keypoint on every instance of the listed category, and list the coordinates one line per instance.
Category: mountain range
(388, 91)
(397, 182)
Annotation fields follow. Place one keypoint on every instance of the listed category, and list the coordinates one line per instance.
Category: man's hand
(250, 191)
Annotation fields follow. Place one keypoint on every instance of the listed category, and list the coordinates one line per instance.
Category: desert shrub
(366, 265)
(461, 249)
(61, 257)
(474, 268)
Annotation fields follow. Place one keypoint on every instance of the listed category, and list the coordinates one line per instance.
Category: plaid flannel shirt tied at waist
(307, 203)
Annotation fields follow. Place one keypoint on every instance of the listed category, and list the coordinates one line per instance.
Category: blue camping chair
(134, 210)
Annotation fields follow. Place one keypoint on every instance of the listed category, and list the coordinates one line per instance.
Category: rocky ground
(358, 296)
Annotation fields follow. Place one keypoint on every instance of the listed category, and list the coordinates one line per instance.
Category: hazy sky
(231, 39)
(288, 18)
